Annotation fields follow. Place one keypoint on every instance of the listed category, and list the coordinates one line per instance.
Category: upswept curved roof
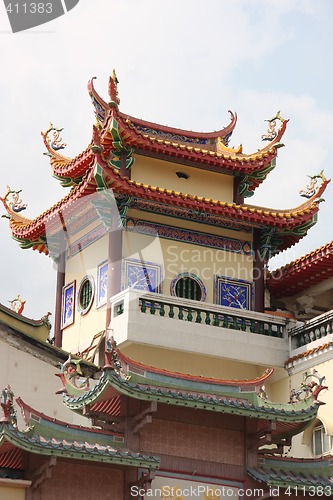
(310, 476)
(123, 376)
(205, 150)
(50, 437)
(115, 137)
(300, 274)
(289, 225)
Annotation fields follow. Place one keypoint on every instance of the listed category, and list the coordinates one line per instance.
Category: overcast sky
(181, 63)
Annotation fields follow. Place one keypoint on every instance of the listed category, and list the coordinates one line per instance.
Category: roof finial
(311, 188)
(7, 406)
(114, 76)
(271, 131)
(113, 90)
(17, 304)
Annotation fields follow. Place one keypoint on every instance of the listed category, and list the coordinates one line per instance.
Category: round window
(85, 294)
(188, 286)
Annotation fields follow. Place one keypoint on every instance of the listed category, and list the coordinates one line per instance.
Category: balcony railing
(315, 329)
(198, 312)
(194, 327)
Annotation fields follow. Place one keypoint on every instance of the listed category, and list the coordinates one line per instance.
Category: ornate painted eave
(289, 225)
(122, 376)
(53, 428)
(204, 150)
(309, 475)
(48, 437)
(309, 270)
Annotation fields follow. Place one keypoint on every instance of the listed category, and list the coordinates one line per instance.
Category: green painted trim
(245, 404)
(101, 454)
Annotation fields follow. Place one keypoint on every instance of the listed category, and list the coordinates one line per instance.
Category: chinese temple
(187, 361)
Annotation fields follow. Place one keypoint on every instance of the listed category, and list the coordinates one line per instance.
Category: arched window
(321, 442)
(85, 294)
(188, 286)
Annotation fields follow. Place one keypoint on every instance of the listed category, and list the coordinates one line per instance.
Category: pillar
(258, 274)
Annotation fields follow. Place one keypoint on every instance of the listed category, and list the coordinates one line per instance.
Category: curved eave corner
(309, 475)
(25, 440)
(238, 398)
(306, 215)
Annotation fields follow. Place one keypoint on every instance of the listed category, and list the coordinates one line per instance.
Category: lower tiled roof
(75, 449)
(306, 474)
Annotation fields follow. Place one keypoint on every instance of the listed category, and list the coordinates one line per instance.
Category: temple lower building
(185, 369)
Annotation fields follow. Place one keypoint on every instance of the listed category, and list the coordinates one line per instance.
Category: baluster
(216, 321)
(225, 321)
(235, 323)
(252, 326)
(189, 314)
(207, 320)
(270, 329)
(143, 306)
(279, 331)
(180, 313)
(243, 325)
(152, 307)
(261, 328)
(162, 309)
(171, 311)
(328, 328)
(198, 319)
(322, 331)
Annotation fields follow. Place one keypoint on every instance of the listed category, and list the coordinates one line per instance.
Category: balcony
(197, 327)
(317, 331)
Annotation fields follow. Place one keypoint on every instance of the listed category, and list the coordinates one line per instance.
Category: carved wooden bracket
(116, 425)
(43, 472)
(144, 482)
(143, 418)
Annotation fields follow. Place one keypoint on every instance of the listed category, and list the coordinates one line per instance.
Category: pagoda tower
(161, 300)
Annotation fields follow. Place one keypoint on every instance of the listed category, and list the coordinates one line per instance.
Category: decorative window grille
(86, 294)
(188, 286)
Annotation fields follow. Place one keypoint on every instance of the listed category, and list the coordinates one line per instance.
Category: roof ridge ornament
(310, 190)
(17, 304)
(309, 388)
(113, 90)
(53, 144)
(7, 405)
(12, 200)
(271, 131)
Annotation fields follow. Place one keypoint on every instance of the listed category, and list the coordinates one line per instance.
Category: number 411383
(29, 8)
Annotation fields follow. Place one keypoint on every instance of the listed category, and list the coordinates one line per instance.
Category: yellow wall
(178, 257)
(173, 256)
(193, 364)
(78, 336)
(200, 182)
(12, 493)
